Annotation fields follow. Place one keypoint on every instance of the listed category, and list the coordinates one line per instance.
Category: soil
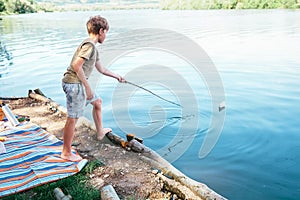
(131, 176)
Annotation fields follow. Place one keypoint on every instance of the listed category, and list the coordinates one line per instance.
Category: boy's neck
(94, 38)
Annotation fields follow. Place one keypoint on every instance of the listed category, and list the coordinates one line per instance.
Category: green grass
(75, 185)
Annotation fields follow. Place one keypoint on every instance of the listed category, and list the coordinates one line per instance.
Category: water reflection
(5, 59)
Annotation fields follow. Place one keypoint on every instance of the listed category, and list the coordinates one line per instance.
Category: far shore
(106, 6)
(51, 7)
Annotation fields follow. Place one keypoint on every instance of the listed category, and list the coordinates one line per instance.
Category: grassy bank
(75, 185)
(228, 4)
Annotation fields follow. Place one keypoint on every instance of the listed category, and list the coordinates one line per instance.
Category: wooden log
(109, 193)
(38, 91)
(12, 98)
(44, 99)
(138, 146)
(173, 186)
(115, 139)
(200, 189)
(39, 97)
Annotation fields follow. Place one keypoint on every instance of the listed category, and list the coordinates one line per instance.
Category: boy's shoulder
(87, 41)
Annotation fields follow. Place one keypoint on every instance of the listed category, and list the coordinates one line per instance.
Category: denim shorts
(76, 99)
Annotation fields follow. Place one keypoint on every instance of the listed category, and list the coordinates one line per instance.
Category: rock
(109, 193)
(59, 195)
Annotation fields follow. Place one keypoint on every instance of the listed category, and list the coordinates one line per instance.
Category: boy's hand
(89, 94)
(121, 79)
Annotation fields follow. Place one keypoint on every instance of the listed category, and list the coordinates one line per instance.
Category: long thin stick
(153, 93)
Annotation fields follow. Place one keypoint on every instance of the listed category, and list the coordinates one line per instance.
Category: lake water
(256, 55)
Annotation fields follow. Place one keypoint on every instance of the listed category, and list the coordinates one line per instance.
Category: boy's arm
(106, 72)
(77, 66)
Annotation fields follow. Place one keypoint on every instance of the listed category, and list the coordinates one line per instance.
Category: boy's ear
(101, 31)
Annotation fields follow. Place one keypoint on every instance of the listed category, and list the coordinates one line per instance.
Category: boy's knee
(71, 121)
(97, 103)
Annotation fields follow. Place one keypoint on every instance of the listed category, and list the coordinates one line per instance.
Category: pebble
(106, 176)
(92, 175)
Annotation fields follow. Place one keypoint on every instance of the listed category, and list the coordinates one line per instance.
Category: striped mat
(32, 158)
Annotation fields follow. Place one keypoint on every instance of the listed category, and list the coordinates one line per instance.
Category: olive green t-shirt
(89, 52)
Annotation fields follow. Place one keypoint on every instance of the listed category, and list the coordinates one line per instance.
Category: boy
(77, 89)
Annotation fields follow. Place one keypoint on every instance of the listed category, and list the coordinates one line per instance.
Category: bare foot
(103, 133)
(72, 157)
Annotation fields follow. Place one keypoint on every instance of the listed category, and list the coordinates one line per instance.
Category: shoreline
(79, 7)
(139, 159)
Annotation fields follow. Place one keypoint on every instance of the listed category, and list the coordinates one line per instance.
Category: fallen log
(38, 91)
(53, 105)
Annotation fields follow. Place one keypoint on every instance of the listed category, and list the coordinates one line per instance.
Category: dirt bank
(133, 175)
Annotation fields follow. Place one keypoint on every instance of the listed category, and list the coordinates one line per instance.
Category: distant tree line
(31, 6)
(22, 6)
(228, 4)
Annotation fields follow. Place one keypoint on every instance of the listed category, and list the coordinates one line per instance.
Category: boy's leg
(97, 115)
(75, 106)
(68, 136)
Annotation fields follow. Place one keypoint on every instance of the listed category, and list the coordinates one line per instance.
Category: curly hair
(95, 23)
